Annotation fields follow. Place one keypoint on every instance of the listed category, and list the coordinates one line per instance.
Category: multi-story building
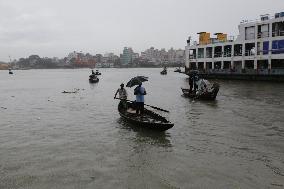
(258, 49)
(162, 56)
(135, 56)
(126, 57)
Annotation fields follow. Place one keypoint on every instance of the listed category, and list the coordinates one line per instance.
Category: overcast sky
(57, 27)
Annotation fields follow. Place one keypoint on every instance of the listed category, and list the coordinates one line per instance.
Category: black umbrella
(136, 81)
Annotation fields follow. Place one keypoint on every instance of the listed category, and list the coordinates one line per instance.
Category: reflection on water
(93, 85)
(144, 135)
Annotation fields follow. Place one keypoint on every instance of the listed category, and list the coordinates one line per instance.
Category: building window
(265, 47)
(192, 54)
(238, 50)
(249, 33)
(201, 53)
(278, 47)
(277, 64)
(250, 49)
(227, 65)
(278, 29)
(209, 52)
(218, 51)
(228, 51)
(263, 31)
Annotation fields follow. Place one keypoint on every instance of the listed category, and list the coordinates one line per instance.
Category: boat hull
(163, 72)
(204, 96)
(94, 80)
(156, 122)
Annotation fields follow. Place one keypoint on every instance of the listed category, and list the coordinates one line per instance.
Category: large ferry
(257, 50)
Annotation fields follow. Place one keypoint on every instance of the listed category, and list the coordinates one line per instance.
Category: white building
(258, 49)
(157, 56)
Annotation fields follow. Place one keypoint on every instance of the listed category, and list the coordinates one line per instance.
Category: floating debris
(75, 91)
(4, 108)
(276, 184)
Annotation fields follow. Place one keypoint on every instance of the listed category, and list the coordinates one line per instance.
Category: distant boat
(98, 73)
(178, 70)
(164, 72)
(93, 79)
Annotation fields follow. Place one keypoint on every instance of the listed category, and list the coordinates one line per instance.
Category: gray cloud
(54, 28)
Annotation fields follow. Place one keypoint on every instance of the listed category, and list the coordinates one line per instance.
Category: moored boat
(178, 70)
(208, 93)
(148, 120)
(97, 72)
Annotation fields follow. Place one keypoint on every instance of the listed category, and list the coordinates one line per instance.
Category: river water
(49, 139)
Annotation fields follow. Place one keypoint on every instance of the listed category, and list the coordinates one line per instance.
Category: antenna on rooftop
(188, 40)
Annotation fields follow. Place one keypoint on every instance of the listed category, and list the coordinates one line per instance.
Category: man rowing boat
(122, 95)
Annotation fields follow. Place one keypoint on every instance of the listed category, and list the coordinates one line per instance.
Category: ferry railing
(218, 54)
(277, 71)
(238, 54)
(246, 71)
(277, 51)
(208, 55)
(227, 54)
(249, 53)
(263, 34)
(256, 20)
(200, 56)
(277, 33)
(262, 71)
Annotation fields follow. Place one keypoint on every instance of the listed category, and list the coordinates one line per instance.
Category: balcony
(263, 34)
(192, 56)
(218, 54)
(278, 33)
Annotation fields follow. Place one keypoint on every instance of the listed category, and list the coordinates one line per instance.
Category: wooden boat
(164, 72)
(177, 70)
(93, 79)
(210, 94)
(97, 72)
(149, 119)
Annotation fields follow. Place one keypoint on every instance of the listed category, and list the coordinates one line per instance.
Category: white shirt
(122, 93)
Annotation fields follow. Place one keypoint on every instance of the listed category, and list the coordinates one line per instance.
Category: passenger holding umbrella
(139, 91)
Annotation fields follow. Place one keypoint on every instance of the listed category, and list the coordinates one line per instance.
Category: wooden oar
(154, 107)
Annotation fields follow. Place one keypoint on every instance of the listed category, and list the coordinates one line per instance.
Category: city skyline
(50, 28)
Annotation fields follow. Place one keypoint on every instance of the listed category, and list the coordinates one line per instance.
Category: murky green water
(53, 140)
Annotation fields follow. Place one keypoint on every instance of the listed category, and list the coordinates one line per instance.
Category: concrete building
(126, 56)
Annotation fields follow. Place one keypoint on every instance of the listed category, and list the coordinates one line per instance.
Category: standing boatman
(140, 92)
(122, 95)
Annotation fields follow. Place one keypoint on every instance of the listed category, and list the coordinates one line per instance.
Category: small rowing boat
(149, 119)
(93, 79)
(164, 72)
(209, 93)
